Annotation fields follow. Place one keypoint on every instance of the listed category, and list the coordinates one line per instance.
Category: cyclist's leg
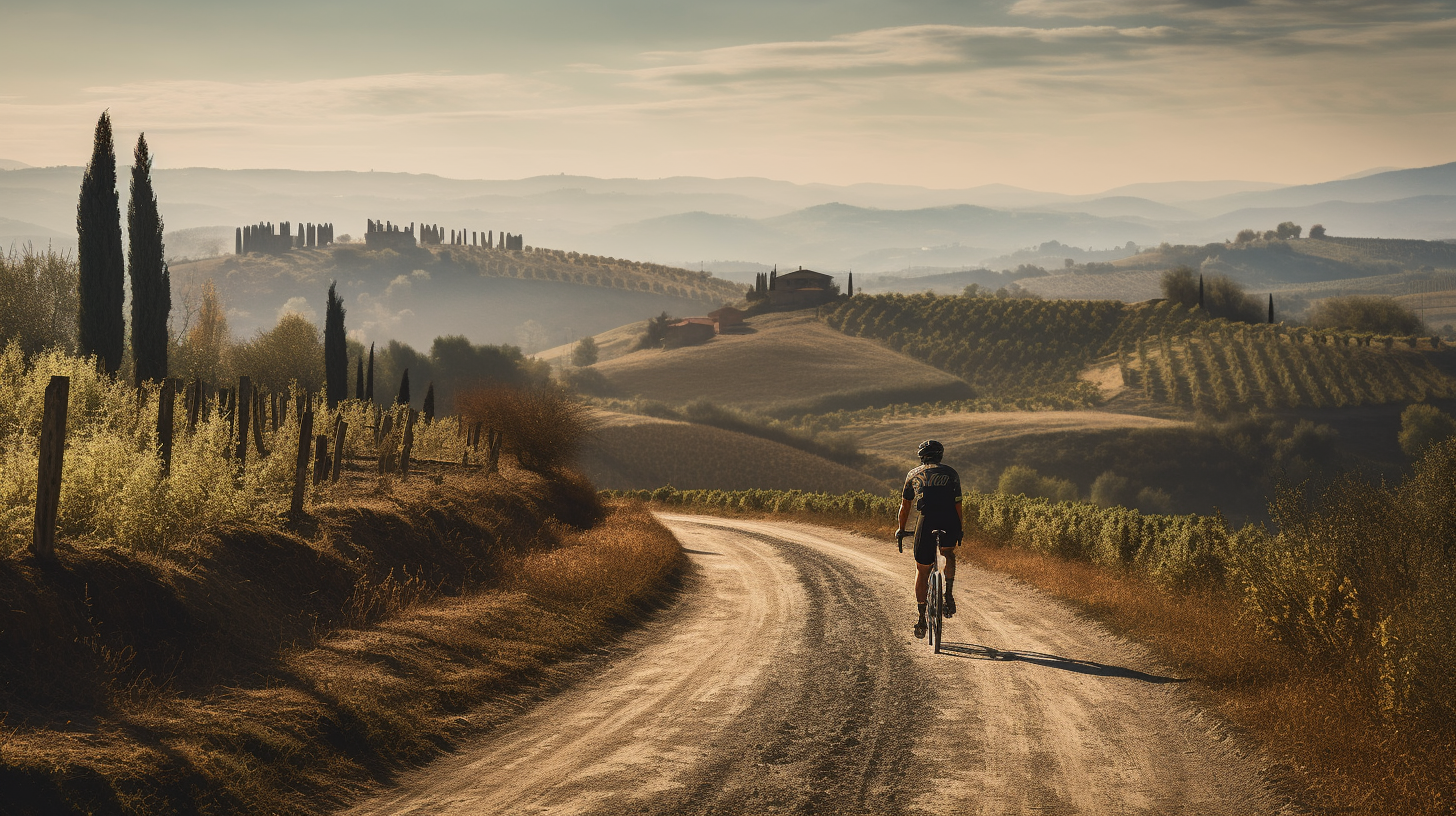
(922, 582)
(949, 569)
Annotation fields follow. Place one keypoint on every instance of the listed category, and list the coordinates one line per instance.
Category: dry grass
(642, 453)
(611, 344)
(1342, 753)
(243, 682)
(788, 360)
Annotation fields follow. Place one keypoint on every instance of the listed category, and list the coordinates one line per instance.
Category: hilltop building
(800, 288)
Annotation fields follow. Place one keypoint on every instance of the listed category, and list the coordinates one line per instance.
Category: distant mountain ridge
(870, 227)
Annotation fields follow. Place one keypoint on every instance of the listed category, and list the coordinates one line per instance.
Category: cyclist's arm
(905, 513)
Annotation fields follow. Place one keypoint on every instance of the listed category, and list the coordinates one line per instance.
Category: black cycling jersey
(935, 488)
(936, 491)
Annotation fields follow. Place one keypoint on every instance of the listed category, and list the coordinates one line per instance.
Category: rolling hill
(634, 453)
(1032, 349)
(534, 299)
(783, 364)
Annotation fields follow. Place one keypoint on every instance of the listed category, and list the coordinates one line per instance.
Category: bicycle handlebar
(900, 536)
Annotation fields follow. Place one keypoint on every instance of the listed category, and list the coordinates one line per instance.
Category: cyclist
(935, 490)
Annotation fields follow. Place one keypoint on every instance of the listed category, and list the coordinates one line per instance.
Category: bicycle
(935, 596)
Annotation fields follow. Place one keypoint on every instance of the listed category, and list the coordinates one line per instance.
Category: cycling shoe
(920, 629)
(949, 606)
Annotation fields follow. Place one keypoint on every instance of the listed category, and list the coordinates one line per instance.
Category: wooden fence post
(48, 476)
(165, 405)
(340, 430)
(493, 440)
(300, 470)
(194, 411)
(244, 408)
(385, 454)
(258, 425)
(409, 442)
(320, 458)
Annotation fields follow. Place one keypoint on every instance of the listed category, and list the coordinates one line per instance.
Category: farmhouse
(689, 331)
(727, 317)
(801, 288)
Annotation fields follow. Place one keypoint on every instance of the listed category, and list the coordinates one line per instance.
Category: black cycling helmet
(930, 451)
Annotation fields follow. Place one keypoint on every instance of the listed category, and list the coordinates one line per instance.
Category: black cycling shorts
(929, 537)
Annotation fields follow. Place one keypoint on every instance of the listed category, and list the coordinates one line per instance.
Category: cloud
(1280, 12)
(1106, 89)
(901, 50)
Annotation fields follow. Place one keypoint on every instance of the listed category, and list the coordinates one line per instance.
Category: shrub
(1020, 480)
(1111, 490)
(1422, 426)
(38, 299)
(1154, 500)
(1363, 313)
(543, 428)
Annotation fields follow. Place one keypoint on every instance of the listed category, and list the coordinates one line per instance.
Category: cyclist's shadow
(974, 651)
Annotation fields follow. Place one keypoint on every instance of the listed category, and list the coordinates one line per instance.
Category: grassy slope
(641, 453)
(788, 360)
(261, 671)
(611, 344)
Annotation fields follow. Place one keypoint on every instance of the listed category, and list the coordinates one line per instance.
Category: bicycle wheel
(935, 625)
(934, 612)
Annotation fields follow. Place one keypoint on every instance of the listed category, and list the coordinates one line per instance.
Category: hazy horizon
(1067, 96)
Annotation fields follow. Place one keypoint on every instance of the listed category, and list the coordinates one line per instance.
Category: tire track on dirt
(832, 728)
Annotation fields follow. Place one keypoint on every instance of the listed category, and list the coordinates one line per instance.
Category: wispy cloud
(911, 49)
(1085, 89)
(1266, 12)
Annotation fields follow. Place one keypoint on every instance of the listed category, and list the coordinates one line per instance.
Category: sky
(1072, 96)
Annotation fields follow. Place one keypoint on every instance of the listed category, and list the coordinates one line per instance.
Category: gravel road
(786, 680)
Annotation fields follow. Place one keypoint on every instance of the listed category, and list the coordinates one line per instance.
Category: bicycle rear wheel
(937, 597)
(935, 625)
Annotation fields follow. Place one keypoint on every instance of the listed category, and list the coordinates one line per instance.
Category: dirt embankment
(263, 670)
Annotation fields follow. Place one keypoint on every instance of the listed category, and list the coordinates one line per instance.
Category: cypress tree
(151, 283)
(404, 395)
(359, 378)
(428, 409)
(336, 349)
(100, 328)
(369, 378)
(1200, 291)
(1271, 308)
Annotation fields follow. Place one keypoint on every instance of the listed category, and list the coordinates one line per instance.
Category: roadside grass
(260, 672)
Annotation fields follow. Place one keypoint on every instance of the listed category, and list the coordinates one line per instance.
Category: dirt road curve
(786, 681)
